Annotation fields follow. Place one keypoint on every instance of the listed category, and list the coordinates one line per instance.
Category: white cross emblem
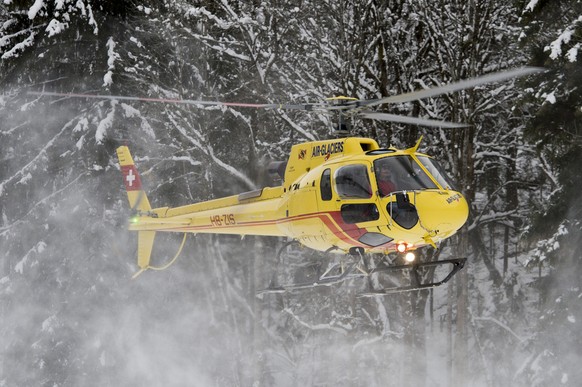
(130, 178)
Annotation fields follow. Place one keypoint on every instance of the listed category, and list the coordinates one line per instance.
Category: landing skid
(416, 273)
(357, 268)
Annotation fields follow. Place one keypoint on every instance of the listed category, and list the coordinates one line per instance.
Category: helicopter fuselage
(333, 199)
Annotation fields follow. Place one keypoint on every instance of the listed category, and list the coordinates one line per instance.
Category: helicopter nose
(441, 213)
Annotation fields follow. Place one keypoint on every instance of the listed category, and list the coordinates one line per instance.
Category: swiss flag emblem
(131, 178)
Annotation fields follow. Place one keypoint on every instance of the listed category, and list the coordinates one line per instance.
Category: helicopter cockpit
(393, 174)
(394, 185)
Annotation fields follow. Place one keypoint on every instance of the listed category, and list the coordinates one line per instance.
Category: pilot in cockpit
(386, 181)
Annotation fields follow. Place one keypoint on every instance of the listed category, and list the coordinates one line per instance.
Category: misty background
(71, 314)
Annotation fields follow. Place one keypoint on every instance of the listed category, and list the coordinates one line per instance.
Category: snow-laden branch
(548, 171)
(130, 111)
(365, 342)
(7, 228)
(14, 51)
(298, 128)
(233, 171)
(35, 8)
(32, 163)
(316, 327)
(546, 247)
(219, 47)
(209, 151)
(5, 39)
(105, 124)
(36, 249)
(502, 325)
(482, 219)
(494, 154)
(112, 57)
(564, 38)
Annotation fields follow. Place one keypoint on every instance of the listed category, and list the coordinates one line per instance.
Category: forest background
(70, 313)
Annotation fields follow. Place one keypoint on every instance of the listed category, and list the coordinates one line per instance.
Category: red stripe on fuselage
(348, 233)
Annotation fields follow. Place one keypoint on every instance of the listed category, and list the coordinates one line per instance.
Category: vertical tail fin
(138, 200)
(145, 243)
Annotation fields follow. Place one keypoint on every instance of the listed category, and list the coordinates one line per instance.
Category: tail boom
(258, 218)
(258, 212)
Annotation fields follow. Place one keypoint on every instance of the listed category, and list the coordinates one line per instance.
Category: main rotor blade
(411, 120)
(456, 86)
(311, 106)
(146, 99)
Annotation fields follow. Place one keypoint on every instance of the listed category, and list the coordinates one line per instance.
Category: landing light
(401, 247)
(409, 257)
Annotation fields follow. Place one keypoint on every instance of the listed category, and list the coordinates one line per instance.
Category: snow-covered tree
(71, 315)
(551, 33)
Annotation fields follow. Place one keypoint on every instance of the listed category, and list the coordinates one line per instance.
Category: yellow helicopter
(345, 195)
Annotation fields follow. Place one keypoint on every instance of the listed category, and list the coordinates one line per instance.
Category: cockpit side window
(352, 181)
(400, 173)
(325, 185)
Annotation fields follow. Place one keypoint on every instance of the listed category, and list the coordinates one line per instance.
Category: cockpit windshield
(437, 172)
(400, 173)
